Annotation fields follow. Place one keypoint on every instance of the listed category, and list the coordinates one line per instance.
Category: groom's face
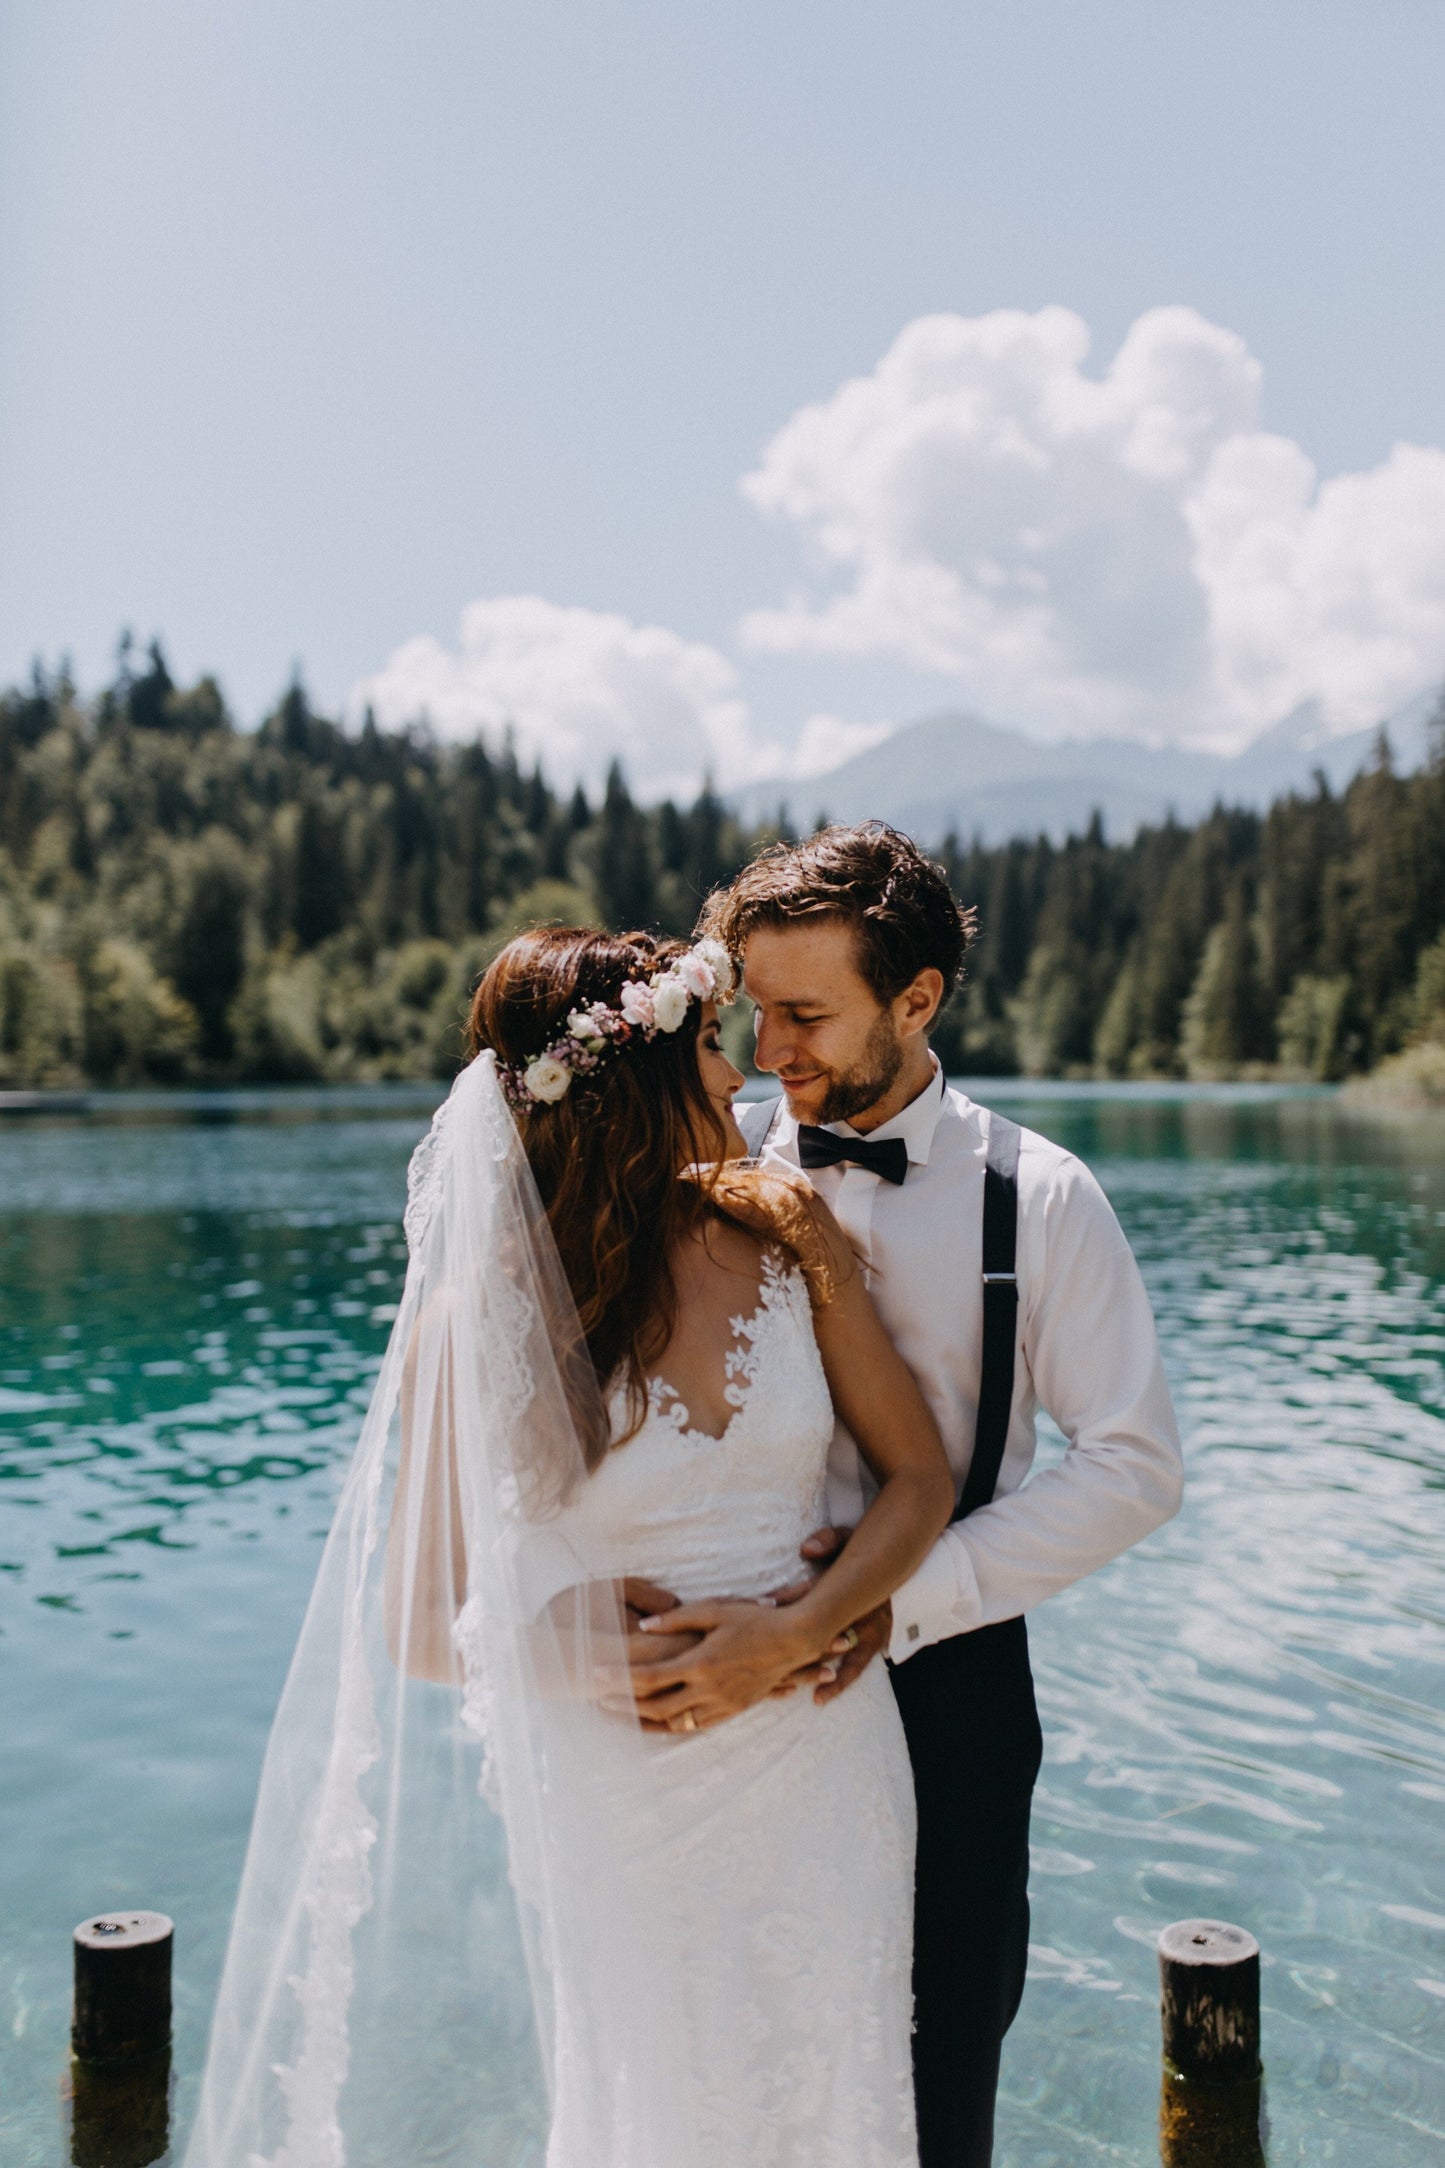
(835, 1048)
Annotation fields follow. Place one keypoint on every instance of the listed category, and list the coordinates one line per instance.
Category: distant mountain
(956, 771)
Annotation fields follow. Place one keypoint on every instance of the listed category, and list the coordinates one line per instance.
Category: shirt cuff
(939, 1600)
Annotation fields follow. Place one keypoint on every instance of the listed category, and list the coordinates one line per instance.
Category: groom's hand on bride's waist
(747, 1647)
(849, 1657)
(645, 1600)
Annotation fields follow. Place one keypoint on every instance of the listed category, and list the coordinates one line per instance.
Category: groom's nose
(772, 1050)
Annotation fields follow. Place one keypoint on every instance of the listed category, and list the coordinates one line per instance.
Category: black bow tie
(820, 1148)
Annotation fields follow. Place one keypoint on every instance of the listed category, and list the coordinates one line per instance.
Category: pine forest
(183, 901)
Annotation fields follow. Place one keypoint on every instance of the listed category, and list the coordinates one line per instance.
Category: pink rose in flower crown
(716, 957)
(697, 975)
(637, 1005)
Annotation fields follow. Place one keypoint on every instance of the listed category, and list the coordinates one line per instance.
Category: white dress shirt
(1087, 1352)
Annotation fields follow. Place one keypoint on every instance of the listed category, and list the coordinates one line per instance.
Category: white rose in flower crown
(637, 1005)
(697, 975)
(669, 1002)
(583, 1027)
(547, 1079)
(721, 964)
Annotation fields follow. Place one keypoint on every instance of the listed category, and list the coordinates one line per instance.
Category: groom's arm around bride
(850, 943)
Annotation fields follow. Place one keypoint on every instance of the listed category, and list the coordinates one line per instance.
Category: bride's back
(717, 1279)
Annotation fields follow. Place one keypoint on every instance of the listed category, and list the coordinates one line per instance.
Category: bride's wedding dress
(684, 1951)
(781, 1842)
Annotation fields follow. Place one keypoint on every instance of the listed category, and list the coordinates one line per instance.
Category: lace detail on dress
(744, 1362)
(781, 1842)
(665, 1403)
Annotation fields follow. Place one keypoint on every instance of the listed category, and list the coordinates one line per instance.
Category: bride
(618, 1357)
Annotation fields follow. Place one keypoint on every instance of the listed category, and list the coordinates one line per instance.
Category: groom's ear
(917, 1007)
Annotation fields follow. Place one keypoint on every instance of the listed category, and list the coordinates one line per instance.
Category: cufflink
(913, 1633)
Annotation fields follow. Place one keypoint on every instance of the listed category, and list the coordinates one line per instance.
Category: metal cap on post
(1210, 2105)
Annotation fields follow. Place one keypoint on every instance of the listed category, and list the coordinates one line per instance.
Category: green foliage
(1312, 1028)
(180, 899)
(1226, 1025)
(1428, 1003)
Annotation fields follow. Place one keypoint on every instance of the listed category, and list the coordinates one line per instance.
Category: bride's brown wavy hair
(607, 1157)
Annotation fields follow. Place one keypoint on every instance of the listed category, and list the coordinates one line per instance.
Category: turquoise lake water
(1244, 1718)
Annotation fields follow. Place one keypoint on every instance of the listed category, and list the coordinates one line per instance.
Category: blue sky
(323, 323)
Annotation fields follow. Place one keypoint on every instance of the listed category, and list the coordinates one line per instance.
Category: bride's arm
(750, 1650)
(878, 1399)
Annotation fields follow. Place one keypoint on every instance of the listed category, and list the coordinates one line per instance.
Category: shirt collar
(915, 1125)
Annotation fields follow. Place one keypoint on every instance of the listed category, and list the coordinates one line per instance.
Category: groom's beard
(853, 1091)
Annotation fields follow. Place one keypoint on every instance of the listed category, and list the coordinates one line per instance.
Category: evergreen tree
(182, 898)
(208, 946)
(1226, 1017)
(622, 860)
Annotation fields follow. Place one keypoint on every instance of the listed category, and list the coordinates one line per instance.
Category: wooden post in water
(1209, 2108)
(120, 2040)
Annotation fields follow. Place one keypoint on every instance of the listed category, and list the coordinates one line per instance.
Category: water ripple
(1244, 1717)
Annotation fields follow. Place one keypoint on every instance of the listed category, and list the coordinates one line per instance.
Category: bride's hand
(746, 1652)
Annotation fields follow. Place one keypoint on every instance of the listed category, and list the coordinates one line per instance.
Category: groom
(850, 942)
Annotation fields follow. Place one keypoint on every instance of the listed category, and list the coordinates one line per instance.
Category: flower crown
(646, 1007)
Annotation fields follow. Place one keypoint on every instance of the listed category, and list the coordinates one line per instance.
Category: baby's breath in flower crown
(645, 1008)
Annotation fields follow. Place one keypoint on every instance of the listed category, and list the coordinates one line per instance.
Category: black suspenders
(1000, 1294)
(1000, 1312)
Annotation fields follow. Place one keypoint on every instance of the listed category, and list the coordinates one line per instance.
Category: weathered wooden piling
(120, 2040)
(1209, 2109)
(122, 1986)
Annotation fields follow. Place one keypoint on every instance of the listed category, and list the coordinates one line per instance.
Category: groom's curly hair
(905, 917)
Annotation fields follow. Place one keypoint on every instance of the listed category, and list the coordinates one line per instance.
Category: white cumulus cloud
(1126, 551)
(579, 688)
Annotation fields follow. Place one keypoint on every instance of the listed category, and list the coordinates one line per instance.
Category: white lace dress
(785, 1836)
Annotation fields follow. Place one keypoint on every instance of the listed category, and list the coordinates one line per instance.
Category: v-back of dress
(784, 1838)
(711, 1516)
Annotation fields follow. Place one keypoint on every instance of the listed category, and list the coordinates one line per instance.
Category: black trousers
(973, 1734)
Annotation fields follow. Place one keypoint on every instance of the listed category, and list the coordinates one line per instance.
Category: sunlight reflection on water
(1243, 1718)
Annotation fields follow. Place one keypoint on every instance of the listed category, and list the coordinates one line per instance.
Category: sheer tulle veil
(428, 1848)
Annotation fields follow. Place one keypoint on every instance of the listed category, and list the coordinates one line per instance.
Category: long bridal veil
(431, 1850)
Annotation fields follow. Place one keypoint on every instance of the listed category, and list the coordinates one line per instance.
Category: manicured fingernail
(769, 1603)
(648, 1625)
(838, 1647)
(829, 1672)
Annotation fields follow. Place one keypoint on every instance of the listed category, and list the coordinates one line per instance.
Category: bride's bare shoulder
(777, 1205)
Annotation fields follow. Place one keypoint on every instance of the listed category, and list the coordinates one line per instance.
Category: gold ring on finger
(850, 1638)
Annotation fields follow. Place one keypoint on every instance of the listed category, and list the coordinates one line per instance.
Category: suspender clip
(1000, 1279)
